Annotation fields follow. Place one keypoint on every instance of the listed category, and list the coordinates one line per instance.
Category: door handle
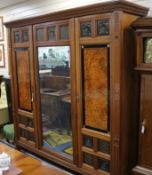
(32, 98)
(143, 126)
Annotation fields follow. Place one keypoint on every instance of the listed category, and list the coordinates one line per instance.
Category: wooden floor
(27, 164)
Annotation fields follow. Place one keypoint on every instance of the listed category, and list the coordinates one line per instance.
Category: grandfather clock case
(143, 70)
(73, 86)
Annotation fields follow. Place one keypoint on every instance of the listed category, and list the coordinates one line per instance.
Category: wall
(31, 8)
(5, 71)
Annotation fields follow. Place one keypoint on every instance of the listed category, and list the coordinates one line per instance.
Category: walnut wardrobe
(73, 87)
(143, 70)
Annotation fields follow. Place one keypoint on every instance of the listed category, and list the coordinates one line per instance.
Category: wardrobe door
(23, 75)
(95, 107)
(93, 89)
(56, 93)
(145, 128)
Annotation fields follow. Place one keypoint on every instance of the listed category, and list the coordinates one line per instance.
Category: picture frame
(2, 56)
(1, 29)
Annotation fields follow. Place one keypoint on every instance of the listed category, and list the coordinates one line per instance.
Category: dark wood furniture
(21, 163)
(0, 83)
(143, 69)
(87, 55)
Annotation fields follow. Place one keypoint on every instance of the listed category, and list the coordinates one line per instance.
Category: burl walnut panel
(96, 88)
(145, 145)
(23, 75)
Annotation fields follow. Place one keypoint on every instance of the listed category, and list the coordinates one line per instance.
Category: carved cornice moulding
(143, 23)
(106, 7)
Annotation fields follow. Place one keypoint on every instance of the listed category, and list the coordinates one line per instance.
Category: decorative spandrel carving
(102, 27)
(85, 29)
(148, 50)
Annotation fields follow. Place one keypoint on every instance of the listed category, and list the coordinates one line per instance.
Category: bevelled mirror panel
(88, 141)
(85, 29)
(25, 36)
(104, 165)
(40, 34)
(16, 37)
(104, 146)
(102, 27)
(148, 50)
(64, 32)
(88, 159)
(52, 33)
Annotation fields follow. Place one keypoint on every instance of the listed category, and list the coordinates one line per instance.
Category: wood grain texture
(141, 171)
(96, 87)
(143, 29)
(145, 149)
(28, 164)
(121, 81)
(23, 74)
(142, 23)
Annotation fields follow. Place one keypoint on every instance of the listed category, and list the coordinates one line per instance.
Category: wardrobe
(73, 86)
(143, 71)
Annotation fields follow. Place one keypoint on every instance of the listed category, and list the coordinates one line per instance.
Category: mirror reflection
(55, 90)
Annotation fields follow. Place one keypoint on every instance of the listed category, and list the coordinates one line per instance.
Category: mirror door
(55, 94)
